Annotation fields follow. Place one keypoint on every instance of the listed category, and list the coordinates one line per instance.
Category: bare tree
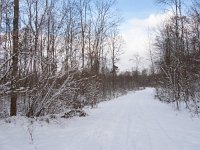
(115, 46)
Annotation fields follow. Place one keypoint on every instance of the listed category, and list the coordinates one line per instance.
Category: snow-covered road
(132, 122)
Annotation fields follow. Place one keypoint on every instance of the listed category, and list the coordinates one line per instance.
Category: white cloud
(135, 33)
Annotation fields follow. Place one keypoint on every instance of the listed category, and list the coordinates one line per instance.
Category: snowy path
(132, 122)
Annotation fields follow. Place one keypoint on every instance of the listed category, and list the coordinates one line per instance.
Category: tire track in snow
(163, 133)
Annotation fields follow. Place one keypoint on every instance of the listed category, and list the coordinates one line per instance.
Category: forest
(177, 47)
(62, 55)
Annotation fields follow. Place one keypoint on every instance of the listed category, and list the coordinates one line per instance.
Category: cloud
(135, 32)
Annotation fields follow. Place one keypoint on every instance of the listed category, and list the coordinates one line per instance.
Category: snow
(132, 122)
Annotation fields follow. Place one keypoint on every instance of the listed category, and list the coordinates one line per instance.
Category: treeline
(178, 53)
(58, 55)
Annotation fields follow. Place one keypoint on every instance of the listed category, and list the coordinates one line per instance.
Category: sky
(140, 20)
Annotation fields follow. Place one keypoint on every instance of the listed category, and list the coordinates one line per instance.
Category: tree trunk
(13, 105)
